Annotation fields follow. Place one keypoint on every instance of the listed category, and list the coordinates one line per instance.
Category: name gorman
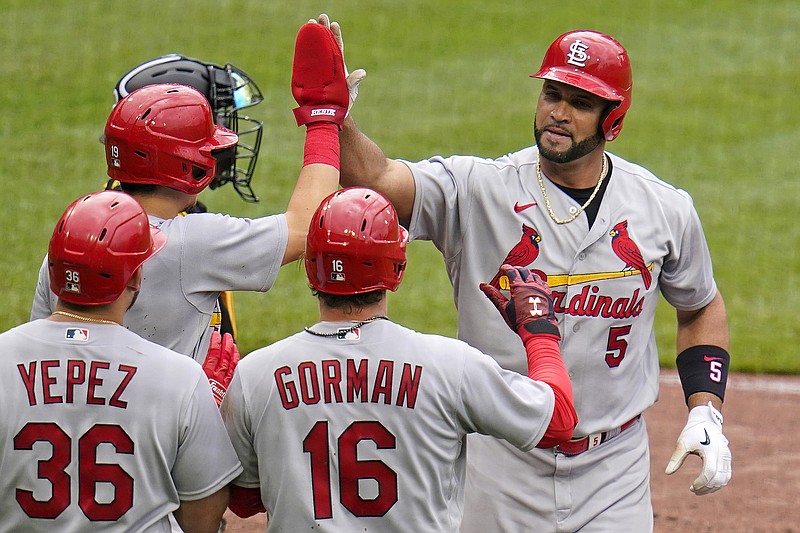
(349, 381)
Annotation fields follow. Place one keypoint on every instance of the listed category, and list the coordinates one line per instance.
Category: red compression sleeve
(322, 144)
(245, 502)
(545, 364)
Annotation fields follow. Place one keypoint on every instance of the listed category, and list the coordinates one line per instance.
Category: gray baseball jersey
(91, 439)
(365, 432)
(646, 239)
(205, 254)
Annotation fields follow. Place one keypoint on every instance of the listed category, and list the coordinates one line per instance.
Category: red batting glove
(221, 361)
(319, 84)
(530, 310)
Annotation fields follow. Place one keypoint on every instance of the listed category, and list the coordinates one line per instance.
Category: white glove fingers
(702, 436)
(324, 20)
(337, 32)
(353, 80)
(676, 461)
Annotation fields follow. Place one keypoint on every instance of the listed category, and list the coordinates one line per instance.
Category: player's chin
(554, 152)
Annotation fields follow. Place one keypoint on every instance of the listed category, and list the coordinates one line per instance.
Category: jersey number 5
(617, 345)
(351, 470)
(90, 472)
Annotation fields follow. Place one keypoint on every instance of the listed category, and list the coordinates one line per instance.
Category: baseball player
(228, 90)
(357, 423)
(162, 146)
(90, 438)
(609, 237)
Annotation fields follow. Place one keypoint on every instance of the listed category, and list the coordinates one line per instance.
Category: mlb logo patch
(349, 334)
(337, 276)
(77, 334)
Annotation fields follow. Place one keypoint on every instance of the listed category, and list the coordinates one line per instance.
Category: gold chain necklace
(345, 331)
(86, 318)
(577, 213)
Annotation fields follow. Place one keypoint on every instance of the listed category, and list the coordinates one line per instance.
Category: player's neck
(112, 313)
(166, 203)
(583, 173)
(330, 314)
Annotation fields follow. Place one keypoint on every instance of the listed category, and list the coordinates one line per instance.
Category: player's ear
(135, 283)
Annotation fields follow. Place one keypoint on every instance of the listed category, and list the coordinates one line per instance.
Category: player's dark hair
(349, 302)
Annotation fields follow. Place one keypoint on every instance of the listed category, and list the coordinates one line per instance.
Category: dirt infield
(762, 417)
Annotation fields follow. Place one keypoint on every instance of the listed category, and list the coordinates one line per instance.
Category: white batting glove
(353, 78)
(703, 436)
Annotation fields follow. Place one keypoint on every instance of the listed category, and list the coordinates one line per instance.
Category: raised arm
(320, 88)
(529, 313)
(363, 162)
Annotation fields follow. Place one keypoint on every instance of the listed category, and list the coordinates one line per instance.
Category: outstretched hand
(319, 84)
(220, 363)
(530, 309)
(353, 78)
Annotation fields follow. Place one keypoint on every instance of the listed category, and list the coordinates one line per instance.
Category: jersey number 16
(351, 469)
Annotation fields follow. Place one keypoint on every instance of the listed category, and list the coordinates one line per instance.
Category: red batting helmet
(594, 62)
(97, 245)
(355, 244)
(164, 134)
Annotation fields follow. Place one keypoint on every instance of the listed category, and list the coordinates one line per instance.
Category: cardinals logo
(627, 250)
(522, 254)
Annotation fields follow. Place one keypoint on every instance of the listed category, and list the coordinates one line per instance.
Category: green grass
(713, 113)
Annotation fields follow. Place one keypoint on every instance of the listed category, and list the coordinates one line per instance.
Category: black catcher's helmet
(228, 89)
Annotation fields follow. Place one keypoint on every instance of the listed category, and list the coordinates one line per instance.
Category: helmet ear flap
(611, 121)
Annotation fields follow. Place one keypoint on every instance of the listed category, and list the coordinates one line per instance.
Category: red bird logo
(627, 250)
(522, 254)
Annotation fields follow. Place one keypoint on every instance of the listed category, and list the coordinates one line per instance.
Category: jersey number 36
(90, 472)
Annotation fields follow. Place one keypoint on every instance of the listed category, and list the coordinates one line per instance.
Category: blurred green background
(714, 112)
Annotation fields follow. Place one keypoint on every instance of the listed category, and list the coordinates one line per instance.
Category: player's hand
(220, 362)
(353, 78)
(530, 309)
(703, 436)
(319, 83)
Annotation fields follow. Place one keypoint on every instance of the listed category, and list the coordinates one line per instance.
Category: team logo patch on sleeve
(76, 334)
